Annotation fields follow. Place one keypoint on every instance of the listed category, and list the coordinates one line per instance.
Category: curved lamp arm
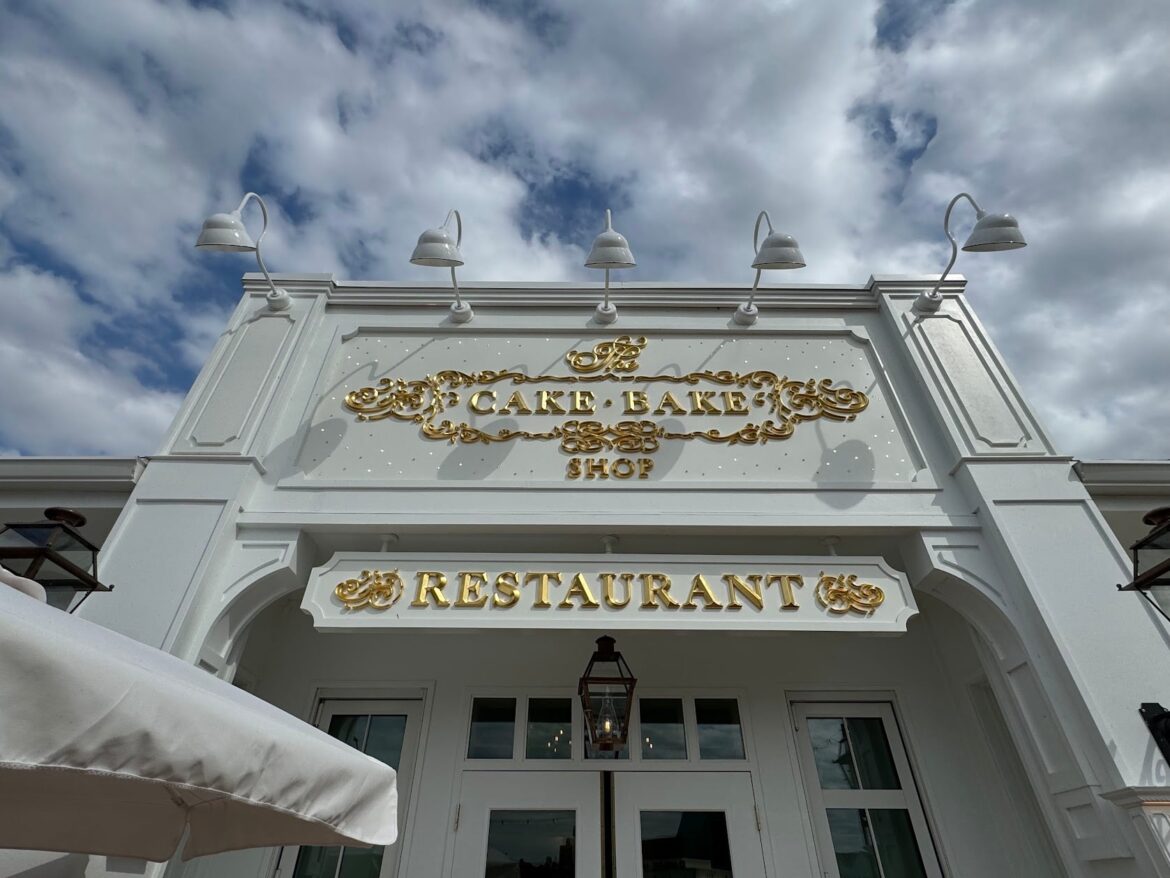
(756, 249)
(278, 299)
(932, 299)
(459, 306)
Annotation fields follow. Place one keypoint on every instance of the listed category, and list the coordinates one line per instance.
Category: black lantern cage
(53, 553)
(1151, 557)
(606, 690)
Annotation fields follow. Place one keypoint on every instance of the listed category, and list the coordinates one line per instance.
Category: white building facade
(870, 608)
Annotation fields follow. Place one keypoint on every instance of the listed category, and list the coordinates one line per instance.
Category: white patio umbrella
(109, 746)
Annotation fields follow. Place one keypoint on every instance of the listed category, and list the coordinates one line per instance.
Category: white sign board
(356, 591)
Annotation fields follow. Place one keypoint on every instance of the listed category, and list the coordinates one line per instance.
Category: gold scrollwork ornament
(376, 589)
(843, 594)
(619, 355)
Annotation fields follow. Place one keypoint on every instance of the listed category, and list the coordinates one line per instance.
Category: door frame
(415, 711)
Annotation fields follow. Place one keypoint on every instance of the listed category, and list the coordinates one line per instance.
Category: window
(868, 817)
(493, 728)
(550, 728)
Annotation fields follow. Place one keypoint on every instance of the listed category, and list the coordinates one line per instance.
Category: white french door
(529, 823)
(696, 823)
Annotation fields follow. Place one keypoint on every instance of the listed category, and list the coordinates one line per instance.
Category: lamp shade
(610, 249)
(225, 231)
(437, 248)
(995, 231)
(779, 251)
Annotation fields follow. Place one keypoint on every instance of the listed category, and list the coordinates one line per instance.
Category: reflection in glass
(620, 707)
(493, 727)
(852, 843)
(831, 752)
(720, 736)
(531, 844)
(685, 844)
(550, 728)
(663, 734)
(871, 751)
(895, 842)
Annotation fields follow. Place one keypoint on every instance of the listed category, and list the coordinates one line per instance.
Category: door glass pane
(720, 736)
(685, 844)
(493, 726)
(895, 842)
(830, 747)
(871, 752)
(853, 844)
(531, 844)
(384, 741)
(550, 728)
(663, 735)
(351, 729)
(360, 862)
(317, 862)
(620, 706)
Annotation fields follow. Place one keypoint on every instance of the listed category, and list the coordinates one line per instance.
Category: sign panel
(622, 411)
(360, 591)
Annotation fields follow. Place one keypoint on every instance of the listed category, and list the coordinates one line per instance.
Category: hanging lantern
(607, 695)
(1151, 562)
(54, 553)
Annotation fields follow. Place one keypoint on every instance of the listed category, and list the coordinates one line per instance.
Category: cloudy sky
(124, 122)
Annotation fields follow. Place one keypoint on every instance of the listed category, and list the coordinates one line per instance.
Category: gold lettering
(645, 464)
(669, 399)
(574, 468)
(583, 402)
(542, 580)
(507, 590)
(786, 581)
(470, 584)
(750, 590)
(636, 402)
(701, 403)
(596, 468)
(425, 587)
(473, 403)
(734, 402)
(700, 588)
(546, 402)
(607, 583)
(623, 468)
(516, 403)
(655, 590)
(579, 588)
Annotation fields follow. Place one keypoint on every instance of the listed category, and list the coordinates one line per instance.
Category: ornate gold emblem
(843, 594)
(619, 355)
(375, 589)
(782, 401)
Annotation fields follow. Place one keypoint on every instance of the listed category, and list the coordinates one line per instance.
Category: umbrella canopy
(109, 746)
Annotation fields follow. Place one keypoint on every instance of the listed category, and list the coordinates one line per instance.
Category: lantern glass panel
(621, 707)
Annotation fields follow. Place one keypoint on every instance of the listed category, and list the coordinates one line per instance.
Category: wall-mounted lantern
(1151, 559)
(53, 553)
(607, 697)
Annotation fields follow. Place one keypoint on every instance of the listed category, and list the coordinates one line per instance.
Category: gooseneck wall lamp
(435, 248)
(779, 251)
(226, 232)
(610, 251)
(993, 231)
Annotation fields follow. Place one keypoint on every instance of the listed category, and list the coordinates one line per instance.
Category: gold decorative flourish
(842, 594)
(785, 402)
(619, 355)
(376, 589)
